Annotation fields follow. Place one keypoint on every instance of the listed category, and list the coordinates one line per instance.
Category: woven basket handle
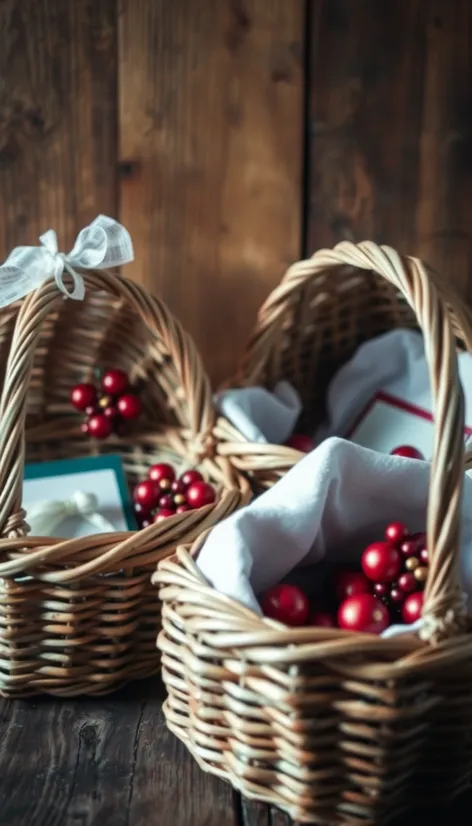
(444, 609)
(193, 403)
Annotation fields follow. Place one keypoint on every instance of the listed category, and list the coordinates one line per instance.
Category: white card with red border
(388, 422)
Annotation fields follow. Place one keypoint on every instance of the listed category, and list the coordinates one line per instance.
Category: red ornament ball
(412, 607)
(380, 589)
(286, 603)
(322, 619)
(129, 406)
(115, 382)
(166, 502)
(161, 471)
(189, 478)
(380, 562)
(396, 594)
(200, 494)
(178, 486)
(407, 451)
(138, 508)
(99, 426)
(163, 513)
(183, 509)
(424, 555)
(395, 532)
(147, 494)
(84, 427)
(110, 412)
(350, 583)
(301, 442)
(83, 396)
(409, 547)
(407, 583)
(145, 523)
(363, 613)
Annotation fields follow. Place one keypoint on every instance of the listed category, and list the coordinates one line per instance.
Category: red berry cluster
(108, 407)
(162, 494)
(398, 569)
(389, 588)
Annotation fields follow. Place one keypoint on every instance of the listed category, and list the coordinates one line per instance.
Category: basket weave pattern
(336, 727)
(80, 615)
(311, 325)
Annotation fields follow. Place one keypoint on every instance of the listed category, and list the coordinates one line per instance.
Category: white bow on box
(45, 517)
(104, 243)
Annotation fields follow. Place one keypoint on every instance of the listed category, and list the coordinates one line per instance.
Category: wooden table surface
(112, 762)
(231, 137)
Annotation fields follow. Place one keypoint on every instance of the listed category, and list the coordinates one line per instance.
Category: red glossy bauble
(364, 612)
(381, 562)
(349, 583)
(322, 619)
(166, 502)
(84, 428)
(163, 513)
(178, 486)
(147, 494)
(412, 607)
(286, 603)
(301, 442)
(396, 595)
(189, 478)
(395, 532)
(110, 412)
(424, 555)
(409, 547)
(129, 406)
(83, 396)
(115, 382)
(200, 494)
(99, 426)
(183, 509)
(407, 451)
(380, 589)
(407, 583)
(161, 471)
(139, 508)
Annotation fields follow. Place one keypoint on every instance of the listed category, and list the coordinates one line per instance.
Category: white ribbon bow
(45, 517)
(104, 243)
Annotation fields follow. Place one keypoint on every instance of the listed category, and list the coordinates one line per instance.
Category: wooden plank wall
(182, 118)
(231, 135)
(390, 128)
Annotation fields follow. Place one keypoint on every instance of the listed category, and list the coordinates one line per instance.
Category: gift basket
(331, 725)
(310, 326)
(79, 615)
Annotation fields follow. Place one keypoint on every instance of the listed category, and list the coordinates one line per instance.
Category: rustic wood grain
(109, 761)
(390, 128)
(57, 117)
(210, 153)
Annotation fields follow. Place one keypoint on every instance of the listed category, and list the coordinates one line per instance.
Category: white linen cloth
(334, 502)
(393, 362)
(262, 416)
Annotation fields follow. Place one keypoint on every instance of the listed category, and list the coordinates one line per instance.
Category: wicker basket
(331, 726)
(309, 326)
(81, 616)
